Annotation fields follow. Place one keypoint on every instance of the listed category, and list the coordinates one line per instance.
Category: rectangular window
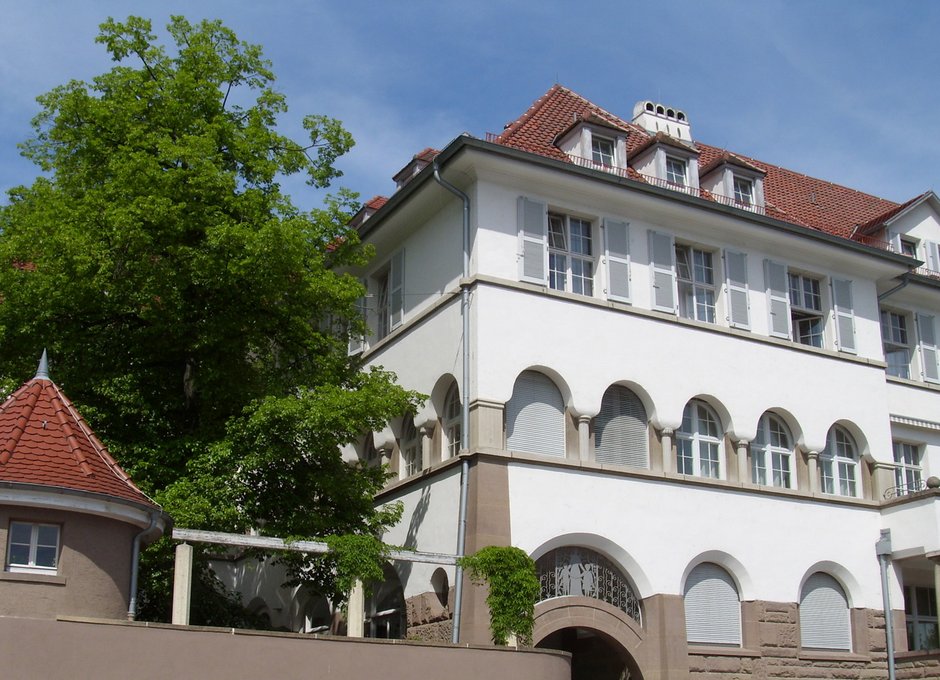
(743, 191)
(602, 150)
(920, 609)
(389, 286)
(806, 315)
(570, 254)
(33, 547)
(907, 471)
(894, 337)
(908, 247)
(675, 171)
(695, 273)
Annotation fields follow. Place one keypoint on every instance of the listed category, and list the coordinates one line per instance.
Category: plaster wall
(93, 574)
(657, 531)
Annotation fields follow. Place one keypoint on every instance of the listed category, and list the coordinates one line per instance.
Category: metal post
(883, 550)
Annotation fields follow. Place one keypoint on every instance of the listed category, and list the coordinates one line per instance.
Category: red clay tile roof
(427, 155)
(375, 202)
(790, 196)
(878, 222)
(44, 441)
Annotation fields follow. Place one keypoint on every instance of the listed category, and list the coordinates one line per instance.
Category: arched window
(838, 464)
(824, 614)
(410, 449)
(452, 415)
(772, 453)
(582, 572)
(698, 441)
(620, 436)
(712, 606)
(535, 416)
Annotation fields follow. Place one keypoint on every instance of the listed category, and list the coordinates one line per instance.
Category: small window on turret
(33, 548)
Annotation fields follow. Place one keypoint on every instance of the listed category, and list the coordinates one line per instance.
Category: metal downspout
(135, 563)
(905, 279)
(465, 399)
(883, 550)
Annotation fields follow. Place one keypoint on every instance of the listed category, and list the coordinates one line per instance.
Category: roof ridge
(9, 446)
(533, 108)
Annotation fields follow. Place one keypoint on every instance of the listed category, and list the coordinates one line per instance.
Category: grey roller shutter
(617, 252)
(712, 606)
(736, 273)
(775, 280)
(662, 253)
(845, 314)
(620, 434)
(535, 416)
(928, 348)
(824, 614)
(533, 253)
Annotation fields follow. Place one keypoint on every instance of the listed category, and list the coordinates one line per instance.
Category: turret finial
(42, 373)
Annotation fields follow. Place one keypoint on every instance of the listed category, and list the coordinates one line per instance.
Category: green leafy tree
(197, 318)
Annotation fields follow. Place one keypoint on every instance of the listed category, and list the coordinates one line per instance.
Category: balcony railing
(905, 489)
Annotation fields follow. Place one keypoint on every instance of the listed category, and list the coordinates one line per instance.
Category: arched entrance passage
(594, 654)
(602, 639)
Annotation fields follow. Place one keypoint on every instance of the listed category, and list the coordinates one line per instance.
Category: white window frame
(696, 282)
(672, 176)
(772, 457)
(908, 472)
(33, 563)
(801, 312)
(452, 422)
(389, 295)
(409, 449)
(577, 273)
(693, 442)
(738, 184)
(598, 154)
(896, 341)
(839, 464)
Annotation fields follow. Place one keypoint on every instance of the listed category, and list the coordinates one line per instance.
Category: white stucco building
(698, 387)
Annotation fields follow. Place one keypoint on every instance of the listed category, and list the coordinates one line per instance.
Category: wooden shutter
(357, 340)
(712, 606)
(736, 279)
(775, 280)
(824, 614)
(845, 314)
(933, 255)
(533, 251)
(617, 252)
(396, 289)
(535, 416)
(620, 434)
(662, 255)
(928, 348)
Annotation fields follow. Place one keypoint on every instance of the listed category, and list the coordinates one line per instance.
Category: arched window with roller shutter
(535, 416)
(620, 429)
(824, 614)
(712, 606)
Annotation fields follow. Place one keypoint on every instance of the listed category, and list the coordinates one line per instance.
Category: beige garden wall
(106, 650)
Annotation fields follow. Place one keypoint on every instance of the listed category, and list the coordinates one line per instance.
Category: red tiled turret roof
(790, 196)
(44, 441)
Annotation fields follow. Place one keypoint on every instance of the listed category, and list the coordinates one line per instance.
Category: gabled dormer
(668, 162)
(734, 181)
(418, 163)
(912, 229)
(594, 142)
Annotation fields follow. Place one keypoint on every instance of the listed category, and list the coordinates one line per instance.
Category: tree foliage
(513, 589)
(197, 318)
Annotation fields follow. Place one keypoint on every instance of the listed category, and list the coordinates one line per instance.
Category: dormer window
(676, 171)
(602, 150)
(743, 190)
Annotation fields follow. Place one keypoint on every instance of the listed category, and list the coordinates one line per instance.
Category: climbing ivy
(510, 574)
(357, 557)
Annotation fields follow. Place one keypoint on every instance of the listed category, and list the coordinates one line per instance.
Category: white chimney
(654, 118)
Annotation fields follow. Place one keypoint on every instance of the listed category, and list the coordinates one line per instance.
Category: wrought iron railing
(581, 572)
(905, 489)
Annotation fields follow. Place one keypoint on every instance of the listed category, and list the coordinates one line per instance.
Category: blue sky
(845, 90)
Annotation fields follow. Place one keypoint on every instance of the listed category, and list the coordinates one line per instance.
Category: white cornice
(62, 499)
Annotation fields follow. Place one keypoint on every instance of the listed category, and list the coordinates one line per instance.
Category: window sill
(715, 650)
(26, 577)
(831, 655)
